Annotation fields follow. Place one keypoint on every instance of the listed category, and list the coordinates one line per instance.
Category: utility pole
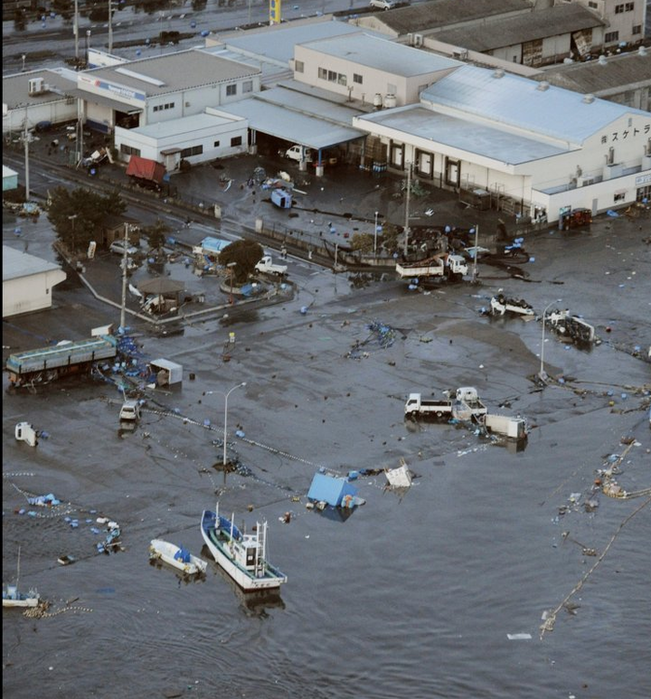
(123, 309)
(76, 33)
(407, 209)
(474, 265)
(26, 141)
(110, 26)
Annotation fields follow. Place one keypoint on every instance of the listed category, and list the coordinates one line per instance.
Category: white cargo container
(511, 427)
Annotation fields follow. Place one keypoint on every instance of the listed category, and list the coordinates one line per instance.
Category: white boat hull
(271, 580)
(29, 602)
(164, 551)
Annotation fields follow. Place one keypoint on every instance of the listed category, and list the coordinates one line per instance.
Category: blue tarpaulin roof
(214, 244)
(330, 489)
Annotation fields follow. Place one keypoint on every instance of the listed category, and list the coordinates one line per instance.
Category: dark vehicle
(146, 173)
(575, 219)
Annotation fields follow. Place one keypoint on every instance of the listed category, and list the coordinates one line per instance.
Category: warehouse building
(27, 282)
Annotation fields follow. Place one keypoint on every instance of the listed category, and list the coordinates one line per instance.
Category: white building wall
(622, 22)
(151, 147)
(56, 112)
(31, 293)
(598, 197)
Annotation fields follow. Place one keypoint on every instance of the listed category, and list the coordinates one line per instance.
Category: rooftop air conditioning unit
(36, 86)
(544, 85)
(588, 99)
(499, 73)
(460, 54)
(418, 39)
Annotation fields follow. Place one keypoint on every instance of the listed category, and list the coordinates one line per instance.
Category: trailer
(462, 404)
(55, 361)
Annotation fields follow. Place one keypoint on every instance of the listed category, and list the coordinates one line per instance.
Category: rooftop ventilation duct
(499, 73)
(544, 85)
(602, 60)
(588, 99)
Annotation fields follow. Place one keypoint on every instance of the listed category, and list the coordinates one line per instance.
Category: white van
(383, 4)
(294, 153)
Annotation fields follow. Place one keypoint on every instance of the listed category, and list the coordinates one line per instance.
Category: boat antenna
(232, 525)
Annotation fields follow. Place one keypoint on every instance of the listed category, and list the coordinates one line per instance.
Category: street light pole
(207, 393)
(542, 374)
(110, 26)
(407, 209)
(26, 140)
(474, 266)
(123, 307)
(75, 30)
(375, 235)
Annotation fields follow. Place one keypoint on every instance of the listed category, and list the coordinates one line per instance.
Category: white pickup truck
(267, 266)
(464, 405)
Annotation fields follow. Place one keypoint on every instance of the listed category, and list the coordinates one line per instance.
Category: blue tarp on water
(330, 489)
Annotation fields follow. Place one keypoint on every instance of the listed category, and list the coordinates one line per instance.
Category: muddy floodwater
(439, 591)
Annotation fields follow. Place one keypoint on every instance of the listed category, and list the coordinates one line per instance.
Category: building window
(129, 150)
(299, 66)
(231, 90)
(342, 79)
(247, 86)
(593, 5)
(637, 29)
(161, 107)
(236, 141)
(611, 36)
(629, 7)
(323, 74)
(620, 196)
(357, 78)
(193, 150)
(216, 144)
(619, 9)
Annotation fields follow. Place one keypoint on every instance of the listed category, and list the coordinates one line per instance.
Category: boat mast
(18, 569)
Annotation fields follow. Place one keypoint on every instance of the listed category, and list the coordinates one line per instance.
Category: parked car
(383, 4)
(118, 246)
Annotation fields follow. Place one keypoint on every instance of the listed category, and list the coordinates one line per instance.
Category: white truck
(299, 154)
(511, 427)
(444, 266)
(463, 404)
(267, 266)
(500, 305)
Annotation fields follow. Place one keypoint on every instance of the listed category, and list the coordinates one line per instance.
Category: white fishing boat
(11, 597)
(242, 556)
(176, 556)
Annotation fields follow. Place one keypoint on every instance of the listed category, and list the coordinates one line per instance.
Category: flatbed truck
(463, 404)
(49, 363)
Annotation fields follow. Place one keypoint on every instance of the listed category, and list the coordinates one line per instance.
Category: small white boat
(12, 598)
(242, 556)
(176, 556)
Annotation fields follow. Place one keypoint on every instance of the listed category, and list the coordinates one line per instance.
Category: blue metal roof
(522, 103)
(330, 489)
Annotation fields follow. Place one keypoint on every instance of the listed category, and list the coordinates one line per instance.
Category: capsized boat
(176, 556)
(242, 556)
